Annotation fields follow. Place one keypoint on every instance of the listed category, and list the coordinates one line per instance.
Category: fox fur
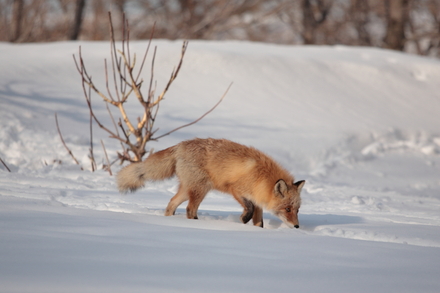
(255, 180)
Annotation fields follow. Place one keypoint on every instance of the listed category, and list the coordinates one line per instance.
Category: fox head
(289, 201)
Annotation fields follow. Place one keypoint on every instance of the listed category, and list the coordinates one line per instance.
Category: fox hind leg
(181, 196)
(195, 198)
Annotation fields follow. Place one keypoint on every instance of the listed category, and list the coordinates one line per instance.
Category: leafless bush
(125, 75)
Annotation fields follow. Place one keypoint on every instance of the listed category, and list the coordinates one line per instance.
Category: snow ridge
(360, 125)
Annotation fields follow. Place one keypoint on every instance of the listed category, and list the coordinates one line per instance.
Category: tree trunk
(360, 10)
(314, 16)
(308, 23)
(397, 17)
(79, 11)
(17, 20)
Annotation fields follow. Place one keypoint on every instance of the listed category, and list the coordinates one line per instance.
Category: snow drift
(360, 125)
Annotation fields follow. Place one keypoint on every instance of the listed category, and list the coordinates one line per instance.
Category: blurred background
(405, 25)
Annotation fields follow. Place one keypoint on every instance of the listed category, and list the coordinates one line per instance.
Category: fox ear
(280, 188)
(299, 185)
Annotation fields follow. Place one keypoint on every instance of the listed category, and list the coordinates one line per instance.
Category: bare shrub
(125, 74)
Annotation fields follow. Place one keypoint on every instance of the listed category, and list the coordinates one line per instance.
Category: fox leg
(181, 196)
(248, 210)
(195, 198)
(253, 212)
(257, 217)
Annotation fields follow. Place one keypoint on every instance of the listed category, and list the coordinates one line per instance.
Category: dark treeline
(405, 25)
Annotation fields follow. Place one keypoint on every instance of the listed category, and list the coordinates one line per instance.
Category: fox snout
(294, 219)
(290, 224)
(293, 225)
(289, 218)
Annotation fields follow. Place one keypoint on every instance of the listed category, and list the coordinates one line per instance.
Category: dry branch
(64, 143)
(108, 166)
(197, 120)
(4, 164)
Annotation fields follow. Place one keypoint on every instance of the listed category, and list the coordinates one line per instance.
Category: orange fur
(255, 180)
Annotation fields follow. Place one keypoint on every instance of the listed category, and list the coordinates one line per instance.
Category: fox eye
(288, 210)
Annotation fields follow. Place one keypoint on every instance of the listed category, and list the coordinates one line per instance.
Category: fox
(254, 179)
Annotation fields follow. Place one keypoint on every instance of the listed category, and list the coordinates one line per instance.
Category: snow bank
(360, 125)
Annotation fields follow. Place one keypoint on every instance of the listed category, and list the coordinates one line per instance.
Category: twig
(4, 164)
(106, 83)
(64, 143)
(173, 74)
(197, 120)
(86, 79)
(113, 119)
(146, 51)
(106, 157)
(92, 156)
(114, 55)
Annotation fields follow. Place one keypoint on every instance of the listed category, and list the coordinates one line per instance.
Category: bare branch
(106, 83)
(197, 120)
(6, 166)
(146, 51)
(112, 134)
(109, 169)
(173, 74)
(113, 54)
(91, 156)
(64, 143)
(113, 119)
(87, 79)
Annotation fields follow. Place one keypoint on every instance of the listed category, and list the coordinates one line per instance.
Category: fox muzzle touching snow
(255, 180)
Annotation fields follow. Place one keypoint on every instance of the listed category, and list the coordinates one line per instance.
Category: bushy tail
(158, 166)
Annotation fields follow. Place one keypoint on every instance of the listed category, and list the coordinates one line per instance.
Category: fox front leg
(253, 212)
(257, 218)
(248, 210)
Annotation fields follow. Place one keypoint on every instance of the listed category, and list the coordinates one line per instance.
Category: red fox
(255, 180)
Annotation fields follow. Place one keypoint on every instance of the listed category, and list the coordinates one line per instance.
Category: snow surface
(360, 125)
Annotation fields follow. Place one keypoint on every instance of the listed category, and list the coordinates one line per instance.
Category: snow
(360, 125)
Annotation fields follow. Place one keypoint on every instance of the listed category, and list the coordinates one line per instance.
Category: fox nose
(296, 226)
